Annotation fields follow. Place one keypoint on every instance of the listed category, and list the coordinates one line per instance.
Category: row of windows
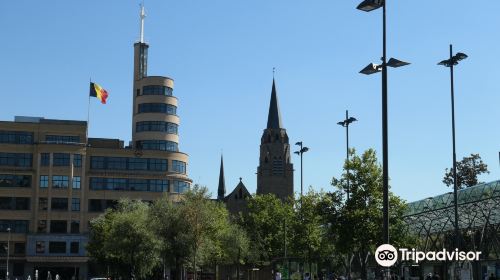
(19, 248)
(155, 90)
(14, 203)
(60, 159)
(16, 137)
(16, 226)
(179, 166)
(16, 159)
(57, 247)
(160, 145)
(123, 163)
(58, 204)
(61, 139)
(60, 181)
(122, 184)
(58, 226)
(15, 181)
(157, 108)
(167, 127)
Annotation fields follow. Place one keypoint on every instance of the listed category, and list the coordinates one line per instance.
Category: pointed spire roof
(274, 117)
(221, 190)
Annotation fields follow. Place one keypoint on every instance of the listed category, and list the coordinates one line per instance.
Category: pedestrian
(492, 277)
(429, 276)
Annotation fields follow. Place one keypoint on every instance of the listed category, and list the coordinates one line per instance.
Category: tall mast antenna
(142, 15)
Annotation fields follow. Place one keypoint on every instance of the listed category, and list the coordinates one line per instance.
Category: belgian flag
(97, 91)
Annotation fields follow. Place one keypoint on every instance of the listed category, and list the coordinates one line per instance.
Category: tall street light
(300, 152)
(8, 253)
(367, 6)
(452, 61)
(345, 123)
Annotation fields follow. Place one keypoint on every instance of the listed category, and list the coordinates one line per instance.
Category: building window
(75, 226)
(43, 203)
(137, 163)
(97, 163)
(40, 247)
(62, 139)
(179, 166)
(76, 182)
(44, 181)
(42, 226)
(77, 160)
(158, 185)
(180, 187)
(19, 248)
(16, 159)
(15, 181)
(75, 204)
(157, 108)
(278, 167)
(58, 226)
(61, 159)
(45, 159)
(59, 203)
(99, 205)
(156, 164)
(167, 127)
(16, 137)
(117, 163)
(16, 226)
(74, 247)
(60, 182)
(14, 203)
(161, 145)
(138, 185)
(57, 247)
(156, 90)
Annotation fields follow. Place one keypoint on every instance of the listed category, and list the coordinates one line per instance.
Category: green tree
(206, 222)
(309, 231)
(467, 171)
(357, 222)
(171, 229)
(265, 224)
(122, 237)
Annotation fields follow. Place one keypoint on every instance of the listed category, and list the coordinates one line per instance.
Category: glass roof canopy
(477, 206)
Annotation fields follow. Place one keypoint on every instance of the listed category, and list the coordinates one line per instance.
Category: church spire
(221, 191)
(274, 117)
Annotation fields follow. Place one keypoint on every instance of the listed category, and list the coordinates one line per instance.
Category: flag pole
(88, 119)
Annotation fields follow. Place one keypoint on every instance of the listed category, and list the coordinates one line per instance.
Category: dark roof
(274, 117)
(244, 191)
(221, 190)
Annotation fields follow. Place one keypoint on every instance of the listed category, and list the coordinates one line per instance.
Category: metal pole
(347, 151)
(385, 153)
(455, 189)
(8, 252)
(385, 134)
(301, 170)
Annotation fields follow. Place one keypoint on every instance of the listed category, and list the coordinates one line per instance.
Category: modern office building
(54, 179)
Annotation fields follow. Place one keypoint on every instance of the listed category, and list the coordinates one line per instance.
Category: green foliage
(467, 171)
(123, 237)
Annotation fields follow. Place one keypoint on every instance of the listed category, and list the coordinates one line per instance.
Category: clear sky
(221, 54)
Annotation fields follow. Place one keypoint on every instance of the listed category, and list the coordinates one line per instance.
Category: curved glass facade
(161, 145)
(167, 127)
(156, 90)
(157, 108)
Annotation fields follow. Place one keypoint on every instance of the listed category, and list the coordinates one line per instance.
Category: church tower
(275, 170)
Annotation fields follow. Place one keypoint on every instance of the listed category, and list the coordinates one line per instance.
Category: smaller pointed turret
(221, 190)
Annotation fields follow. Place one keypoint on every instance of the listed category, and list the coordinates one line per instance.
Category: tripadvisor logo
(386, 255)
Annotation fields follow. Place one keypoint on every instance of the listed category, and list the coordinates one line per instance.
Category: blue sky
(221, 54)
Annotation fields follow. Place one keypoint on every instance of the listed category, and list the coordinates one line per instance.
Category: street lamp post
(8, 253)
(345, 123)
(300, 152)
(367, 6)
(452, 61)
